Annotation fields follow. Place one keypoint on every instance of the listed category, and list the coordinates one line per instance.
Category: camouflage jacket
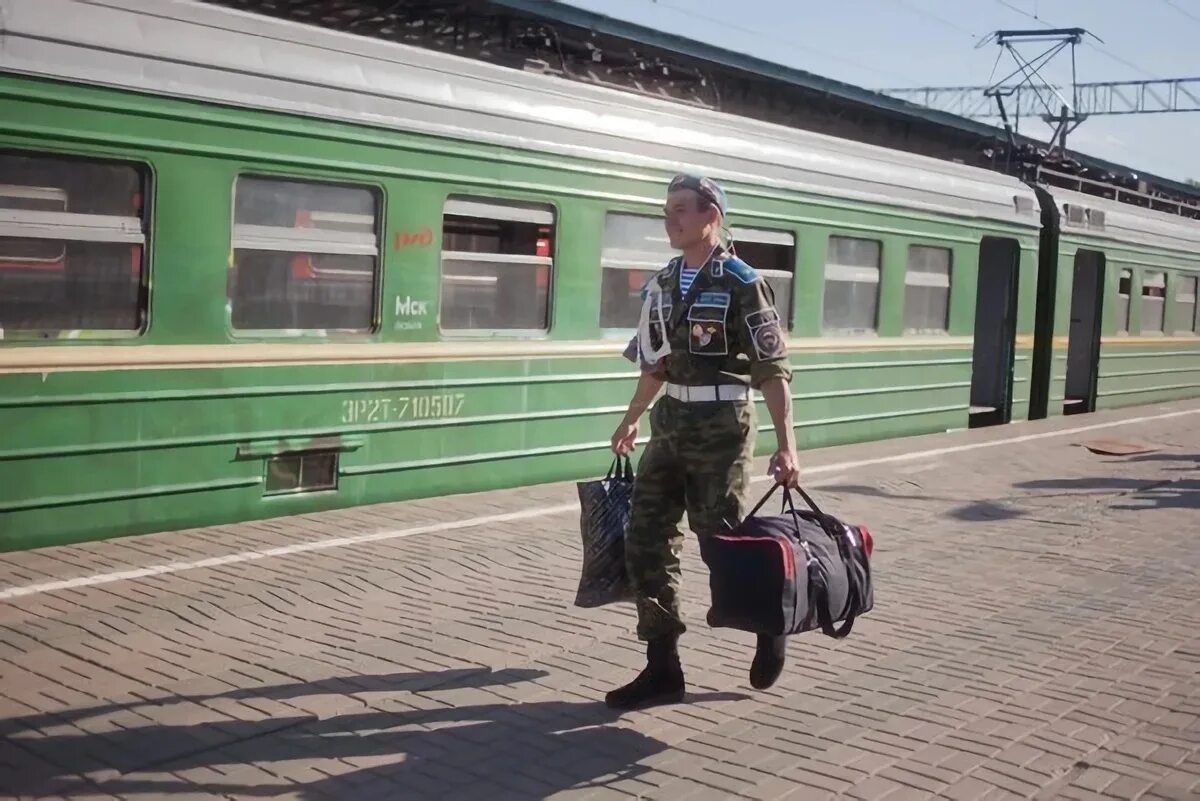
(725, 331)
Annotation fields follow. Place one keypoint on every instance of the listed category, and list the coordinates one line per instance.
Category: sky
(898, 43)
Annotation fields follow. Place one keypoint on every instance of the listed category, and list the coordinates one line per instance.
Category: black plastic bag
(605, 505)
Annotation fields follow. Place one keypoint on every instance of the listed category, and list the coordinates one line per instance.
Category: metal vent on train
(1076, 215)
(1023, 205)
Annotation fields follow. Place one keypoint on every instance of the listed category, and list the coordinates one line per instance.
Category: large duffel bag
(788, 574)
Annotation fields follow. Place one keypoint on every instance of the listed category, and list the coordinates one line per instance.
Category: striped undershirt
(686, 275)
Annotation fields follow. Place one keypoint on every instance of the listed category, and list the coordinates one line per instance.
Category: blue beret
(707, 188)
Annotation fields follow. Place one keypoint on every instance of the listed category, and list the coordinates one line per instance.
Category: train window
(927, 290)
(1154, 296)
(634, 249)
(851, 303)
(497, 258)
(72, 244)
(1124, 288)
(305, 256)
(1186, 291)
(773, 255)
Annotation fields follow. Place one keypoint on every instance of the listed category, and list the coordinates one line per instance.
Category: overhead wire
(791, 42)
(937, 17)
(691, 12)
(1182, 10)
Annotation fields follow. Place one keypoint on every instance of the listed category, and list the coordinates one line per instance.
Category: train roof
(700, 54)
(1081, 213)
(204, 52)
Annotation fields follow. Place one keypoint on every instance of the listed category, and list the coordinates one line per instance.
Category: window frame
(302, 458)
(785, 237)
(1162, 275)
(468, 198)
(114, 230)
(905, 330)
(1192, 326)
(320, 245)
(606, 262)
(1123, 325)
(855, 333)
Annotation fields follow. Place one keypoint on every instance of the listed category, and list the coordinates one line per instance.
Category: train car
(297, 270)
(1117, 312)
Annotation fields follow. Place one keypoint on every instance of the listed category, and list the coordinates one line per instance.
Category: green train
(250, 268)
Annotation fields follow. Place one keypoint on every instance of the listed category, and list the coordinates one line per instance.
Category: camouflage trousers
(698, 459)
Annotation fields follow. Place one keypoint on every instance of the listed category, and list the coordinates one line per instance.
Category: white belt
(708, 392)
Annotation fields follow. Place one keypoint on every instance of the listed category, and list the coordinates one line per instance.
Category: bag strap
(765, 498)
(787, 501)
(817, 591)
(808, 499)
(616, 466)
(822, 606)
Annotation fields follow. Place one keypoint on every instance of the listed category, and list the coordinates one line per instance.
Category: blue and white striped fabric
(686, 276)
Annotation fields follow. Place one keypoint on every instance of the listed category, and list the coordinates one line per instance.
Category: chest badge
(707, 325)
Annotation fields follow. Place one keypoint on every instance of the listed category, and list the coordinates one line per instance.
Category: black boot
(661, 682)
(768, 661)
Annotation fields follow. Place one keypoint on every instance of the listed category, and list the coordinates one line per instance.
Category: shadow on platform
(1190, 461)
(471, 752)
(1130, 494)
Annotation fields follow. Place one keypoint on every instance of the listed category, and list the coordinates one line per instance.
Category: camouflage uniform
(725, 332)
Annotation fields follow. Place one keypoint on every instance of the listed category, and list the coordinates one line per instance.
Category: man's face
(686, 219)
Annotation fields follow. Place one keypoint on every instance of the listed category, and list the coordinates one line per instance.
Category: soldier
(710, 333)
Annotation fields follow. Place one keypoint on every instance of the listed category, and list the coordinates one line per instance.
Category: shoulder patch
(741, 271)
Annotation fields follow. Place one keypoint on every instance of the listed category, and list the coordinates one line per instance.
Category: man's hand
(623, 438)
(785, 467)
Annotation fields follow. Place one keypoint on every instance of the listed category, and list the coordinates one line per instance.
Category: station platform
(1036, 635)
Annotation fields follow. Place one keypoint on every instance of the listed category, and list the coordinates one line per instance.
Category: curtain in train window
(72, 244)
(1186, 320)
(927, 290)
(1154, 297)
(634, 248)
(305, 256)
(497, 260)
(851, 304)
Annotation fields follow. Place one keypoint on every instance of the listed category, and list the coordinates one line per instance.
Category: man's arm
(649, 383)
(771, 373)
(785, 464)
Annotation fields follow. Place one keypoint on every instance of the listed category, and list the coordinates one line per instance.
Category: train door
(1083, 343)
(995, 332)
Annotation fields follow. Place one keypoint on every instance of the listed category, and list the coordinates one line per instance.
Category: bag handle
(764, 499)
(811, 503)
(818, 592)
(626, 474)
(787, 500)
